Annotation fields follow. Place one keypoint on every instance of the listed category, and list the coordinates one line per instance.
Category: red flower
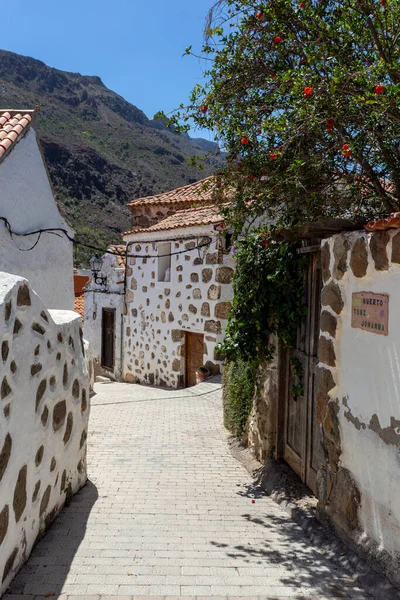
(252, 177)
(204, 108)
(379, 89)
(308, 92)
(222, 226)
(244, 141)
(277, 40)
(345, 147)
(328, 129)
(266, 244)
(301, 5)
(347, 154)
(273, 75)
(239, 164)
(355, 211)
(330, 122)
(273, 156)
(382, 2)
(259, 15)
(253, 501)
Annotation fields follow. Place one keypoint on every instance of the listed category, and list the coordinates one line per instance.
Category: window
(164, 262)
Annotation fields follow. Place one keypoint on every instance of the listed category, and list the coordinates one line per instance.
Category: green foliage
(268, 297)
(82, 255)
(239, 387)
(97, 146)
(305, 98)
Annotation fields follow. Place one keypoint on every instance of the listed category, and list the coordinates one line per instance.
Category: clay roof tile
(192, 217)
(13, 125)
(200, 192)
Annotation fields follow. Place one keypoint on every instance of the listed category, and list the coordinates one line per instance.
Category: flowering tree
(304, 97)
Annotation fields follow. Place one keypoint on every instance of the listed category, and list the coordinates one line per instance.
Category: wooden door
(108, 338)
(194, 356)
(302, 434)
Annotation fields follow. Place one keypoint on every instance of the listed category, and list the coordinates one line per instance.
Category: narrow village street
(168, 512)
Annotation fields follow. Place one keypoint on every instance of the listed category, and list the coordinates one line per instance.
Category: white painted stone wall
(158, 313)
(367, 373)
(27, 201)
(44, 412)
(98, 297)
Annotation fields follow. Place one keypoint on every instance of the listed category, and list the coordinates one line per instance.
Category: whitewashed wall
(366, 370)
(27, 201)
(44, 412)
(98, 297)
(197, 299)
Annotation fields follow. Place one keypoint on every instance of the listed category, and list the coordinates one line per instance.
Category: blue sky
(135, 46)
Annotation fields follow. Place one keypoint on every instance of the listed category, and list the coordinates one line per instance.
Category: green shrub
(240, 379)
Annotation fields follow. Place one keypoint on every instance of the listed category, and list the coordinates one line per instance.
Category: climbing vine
(240, 378)
(268, 297)
(268, 302)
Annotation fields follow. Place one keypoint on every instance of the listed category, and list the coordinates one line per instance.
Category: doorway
(302, 447)
(108, 338)
(194, 344)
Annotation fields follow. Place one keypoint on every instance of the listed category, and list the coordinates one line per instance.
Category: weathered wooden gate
(302, 448)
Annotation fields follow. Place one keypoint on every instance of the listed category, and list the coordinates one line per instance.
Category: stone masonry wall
(44, 411)
(148, 215)
(260, 431)
(358, 403)
(197, 299)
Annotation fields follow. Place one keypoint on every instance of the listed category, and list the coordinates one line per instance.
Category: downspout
(125, 309)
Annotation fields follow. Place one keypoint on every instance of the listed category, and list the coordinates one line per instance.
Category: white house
(176, 292)
(104, 301)
(45, 404)
(27, 204)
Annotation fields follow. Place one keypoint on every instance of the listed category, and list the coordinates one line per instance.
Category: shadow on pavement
(47, 568)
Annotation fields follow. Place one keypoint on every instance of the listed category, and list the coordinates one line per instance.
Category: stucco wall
(43, 418)
(98, 297)
(197, 299)
(359, 389)
(27, 201)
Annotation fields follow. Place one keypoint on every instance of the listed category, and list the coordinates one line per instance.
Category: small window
(164, 262)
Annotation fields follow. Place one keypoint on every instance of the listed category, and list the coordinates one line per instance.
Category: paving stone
(168, 514)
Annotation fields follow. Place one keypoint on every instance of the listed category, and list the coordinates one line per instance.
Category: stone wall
(146, 215)
(43, 418)
(358, 402)
(197, 299)
(260, 432)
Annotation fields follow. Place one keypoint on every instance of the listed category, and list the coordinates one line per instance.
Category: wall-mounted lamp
(96, 262)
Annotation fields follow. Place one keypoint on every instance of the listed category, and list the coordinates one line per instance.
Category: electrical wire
(57, 230)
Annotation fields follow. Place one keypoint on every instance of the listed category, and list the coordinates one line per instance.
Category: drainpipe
(125, 308)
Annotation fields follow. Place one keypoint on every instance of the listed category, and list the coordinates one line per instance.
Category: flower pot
(202, 374)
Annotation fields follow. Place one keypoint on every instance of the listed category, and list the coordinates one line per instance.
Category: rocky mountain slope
(101, 151)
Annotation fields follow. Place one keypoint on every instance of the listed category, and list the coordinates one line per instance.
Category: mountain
(101, 151)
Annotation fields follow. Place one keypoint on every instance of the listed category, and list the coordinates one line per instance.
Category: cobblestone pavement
(169, 513)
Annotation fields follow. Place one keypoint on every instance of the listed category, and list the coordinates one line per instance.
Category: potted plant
(202, 374)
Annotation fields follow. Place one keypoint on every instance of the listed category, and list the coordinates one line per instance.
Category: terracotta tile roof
(122, 250)
(13, 125)
(79, 304)
(391, 222)
(188, 194)
(192, 217)
(79, 282)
